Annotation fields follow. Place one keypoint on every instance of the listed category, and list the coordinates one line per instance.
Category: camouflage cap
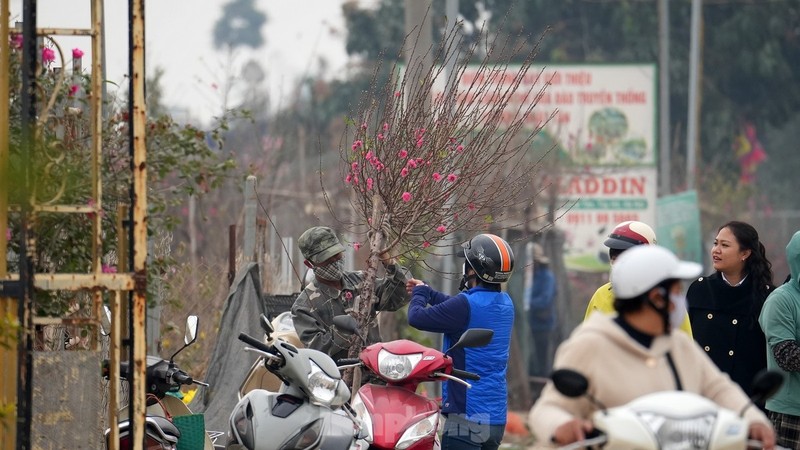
(318, 244)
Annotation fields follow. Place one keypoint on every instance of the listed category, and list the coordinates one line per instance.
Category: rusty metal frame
(21, 285)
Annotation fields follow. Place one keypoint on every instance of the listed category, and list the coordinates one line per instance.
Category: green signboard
(678, 225)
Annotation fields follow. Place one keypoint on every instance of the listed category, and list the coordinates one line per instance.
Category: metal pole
(28, 118)
(664, 112)
(694, 96)
(138, 117)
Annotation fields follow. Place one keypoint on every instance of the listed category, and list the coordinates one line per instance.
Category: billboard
(601, 120)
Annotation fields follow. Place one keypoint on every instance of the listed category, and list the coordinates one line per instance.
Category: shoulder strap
(678, 385)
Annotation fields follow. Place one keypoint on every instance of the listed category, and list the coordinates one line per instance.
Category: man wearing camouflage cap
(332, 292)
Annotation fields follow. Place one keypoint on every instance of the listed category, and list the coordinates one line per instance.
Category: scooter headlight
(423, 428)
(680, 434)
(363, 415)
(397, 367)
(322, 387)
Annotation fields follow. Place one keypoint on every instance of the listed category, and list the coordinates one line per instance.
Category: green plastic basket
(193, 431)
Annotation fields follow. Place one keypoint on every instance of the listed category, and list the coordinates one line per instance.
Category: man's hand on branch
(412, 283)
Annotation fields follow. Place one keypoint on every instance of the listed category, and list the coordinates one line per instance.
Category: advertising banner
(678, 225)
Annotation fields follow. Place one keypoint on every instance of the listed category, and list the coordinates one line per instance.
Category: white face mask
(678, 313)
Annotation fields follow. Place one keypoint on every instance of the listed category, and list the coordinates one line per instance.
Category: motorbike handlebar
(254, 342)
(348, 361)
(182, 378)
(465, 375)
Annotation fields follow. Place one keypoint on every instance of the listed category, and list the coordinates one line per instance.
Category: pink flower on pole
(406, 197)
(369, 184)
(73, 90)
(403, 154)
(109, 269)
(77, 53)
(452, 177)
(426, 244)
(357, 144)
(437, 176)
(354, 166)
(48, 55)
(16, 40)
(441, 228)
(404, 172)
(356, 246)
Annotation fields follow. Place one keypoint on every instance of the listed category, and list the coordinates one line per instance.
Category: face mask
(678, 314)
(331, 272)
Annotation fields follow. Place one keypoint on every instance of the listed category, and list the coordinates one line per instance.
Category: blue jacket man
(475, 417)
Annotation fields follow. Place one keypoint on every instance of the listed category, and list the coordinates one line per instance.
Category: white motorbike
(309, 409)
(668, 420)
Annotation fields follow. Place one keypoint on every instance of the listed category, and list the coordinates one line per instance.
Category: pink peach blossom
(452, 177)
(403, 153)
(348, 295)
(357, 144)
(406, 197)
(73, 90)
(385, 127)
(426, 244)
(354, 166)
(397, 93)
(437, 176)
(441, 228)
(404, 172)
(348, 178)
(48, 55)
(369, 184)
(356, 245)
(471, 206)
(77, 53)
(16, 40)
(412, 163)
(460, 148)
(109, 269)
(380, 136)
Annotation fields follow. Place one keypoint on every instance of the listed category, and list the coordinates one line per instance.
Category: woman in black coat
(724, 307)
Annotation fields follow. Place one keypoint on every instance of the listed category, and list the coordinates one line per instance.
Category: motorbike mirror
(473, 337)
(765, 384)
(266, 325)
(191, 330)
(570, 383)
(189, 335)
(105, 321)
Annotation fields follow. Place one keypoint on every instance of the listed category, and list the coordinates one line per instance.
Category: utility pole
(665, 160)
(695, 70)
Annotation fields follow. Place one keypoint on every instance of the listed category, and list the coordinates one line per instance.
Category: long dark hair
(757, 265)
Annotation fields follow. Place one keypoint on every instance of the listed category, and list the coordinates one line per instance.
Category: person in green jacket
(624, 236)
(780, 320)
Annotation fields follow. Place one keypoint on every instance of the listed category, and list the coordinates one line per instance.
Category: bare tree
(422, 165)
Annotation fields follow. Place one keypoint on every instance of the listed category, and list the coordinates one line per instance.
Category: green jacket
(314, 309)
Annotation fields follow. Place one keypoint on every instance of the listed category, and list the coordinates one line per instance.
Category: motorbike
(308, 411)
(163, 410)
(395, 415)
(666, 420)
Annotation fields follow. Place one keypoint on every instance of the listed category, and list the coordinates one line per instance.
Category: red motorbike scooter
(394, 415)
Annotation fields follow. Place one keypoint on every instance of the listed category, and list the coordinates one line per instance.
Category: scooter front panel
(393, 410)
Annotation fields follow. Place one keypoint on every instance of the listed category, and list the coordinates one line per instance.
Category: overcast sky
(179, 35)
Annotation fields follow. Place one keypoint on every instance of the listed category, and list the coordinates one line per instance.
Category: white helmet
(643, 267)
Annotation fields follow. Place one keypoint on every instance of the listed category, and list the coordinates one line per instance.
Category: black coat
(725, 324)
